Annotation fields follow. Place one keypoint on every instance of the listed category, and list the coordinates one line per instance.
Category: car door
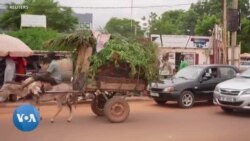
(209, 79)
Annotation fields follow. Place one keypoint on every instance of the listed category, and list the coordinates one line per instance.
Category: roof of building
(182, 41)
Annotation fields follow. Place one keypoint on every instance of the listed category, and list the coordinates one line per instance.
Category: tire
(227, 110)
(186, 99)
(97, 105)
(160, 101)
(116, 109)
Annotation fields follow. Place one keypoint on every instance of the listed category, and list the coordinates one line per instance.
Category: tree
(244, 36)
(210, 7)
(58, 18)
(170, 22)
(152, 19)
(123, 27)
(205, 24)
(189, 21)
(34, 37)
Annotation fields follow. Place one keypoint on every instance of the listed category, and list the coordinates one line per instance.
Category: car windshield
(191, 72)
(245, 74)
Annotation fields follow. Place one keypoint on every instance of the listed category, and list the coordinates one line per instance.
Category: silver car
(234, 93)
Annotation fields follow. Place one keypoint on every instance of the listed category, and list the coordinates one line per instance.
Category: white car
(234, 93)
(244, 65)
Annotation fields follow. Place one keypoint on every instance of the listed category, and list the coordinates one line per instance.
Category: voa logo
(26, 118)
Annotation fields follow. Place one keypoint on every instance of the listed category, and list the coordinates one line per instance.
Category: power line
(109, 7)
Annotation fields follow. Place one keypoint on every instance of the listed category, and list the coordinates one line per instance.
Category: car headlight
(169, 89)
(217, 89)
(246, 92)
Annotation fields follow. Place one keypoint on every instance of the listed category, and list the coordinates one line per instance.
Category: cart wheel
(97, 105)
(116, 109)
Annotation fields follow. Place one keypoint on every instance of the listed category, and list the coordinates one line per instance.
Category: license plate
(154, 94)
(227, 99)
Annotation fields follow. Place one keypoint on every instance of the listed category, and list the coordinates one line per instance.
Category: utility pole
(234, 36)
(225, 47)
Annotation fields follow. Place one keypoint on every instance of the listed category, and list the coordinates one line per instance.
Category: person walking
(166, 69)
(10, 69)
(183, 63)
(20, 68)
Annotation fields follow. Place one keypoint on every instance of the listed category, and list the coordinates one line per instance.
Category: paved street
(147, 122)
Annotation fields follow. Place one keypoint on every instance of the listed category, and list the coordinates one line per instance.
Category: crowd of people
(167, 70)
(15, 68)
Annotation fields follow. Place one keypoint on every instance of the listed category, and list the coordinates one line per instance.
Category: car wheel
(160, 101)
(227, 110)
(186, 99)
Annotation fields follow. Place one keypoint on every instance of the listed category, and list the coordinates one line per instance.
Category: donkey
(35, 89)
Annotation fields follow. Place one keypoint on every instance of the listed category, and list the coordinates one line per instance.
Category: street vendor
(53, 74)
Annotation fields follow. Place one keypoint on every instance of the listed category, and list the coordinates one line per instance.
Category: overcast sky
(101, 16)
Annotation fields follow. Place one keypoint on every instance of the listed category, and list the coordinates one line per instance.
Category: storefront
(195, 49)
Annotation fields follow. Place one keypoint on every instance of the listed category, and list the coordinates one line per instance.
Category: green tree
(208, 7)
(205, 24)
(123, 27)
(152, 19)
(244, 36)
(170, 22)
(189, 21)
(34, 37)
(58, 18)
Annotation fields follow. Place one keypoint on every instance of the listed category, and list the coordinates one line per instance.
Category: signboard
(200, 42)
(33, 20)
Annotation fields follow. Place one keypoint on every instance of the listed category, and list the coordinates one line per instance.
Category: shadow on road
(176, 106)
(238, 113)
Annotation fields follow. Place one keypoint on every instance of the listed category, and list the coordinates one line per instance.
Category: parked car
(193, 83)
(244, 65)
(234, 93)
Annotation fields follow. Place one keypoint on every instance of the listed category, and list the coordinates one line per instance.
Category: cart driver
(53, 74)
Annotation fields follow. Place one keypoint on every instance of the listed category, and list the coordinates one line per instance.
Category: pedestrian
(52, 75)
(166, 69)
(10, 69)
(20, 68)
(183, 63)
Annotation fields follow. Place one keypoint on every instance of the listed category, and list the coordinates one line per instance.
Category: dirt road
(147, 122)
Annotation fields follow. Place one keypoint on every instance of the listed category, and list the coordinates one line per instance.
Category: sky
(101, 16)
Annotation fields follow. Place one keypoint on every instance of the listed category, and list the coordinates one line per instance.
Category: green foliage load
(71, 42)
(141, 57)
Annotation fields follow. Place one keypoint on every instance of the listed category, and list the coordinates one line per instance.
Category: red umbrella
(13, 46)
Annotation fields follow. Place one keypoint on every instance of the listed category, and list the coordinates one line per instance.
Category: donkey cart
(110, 94)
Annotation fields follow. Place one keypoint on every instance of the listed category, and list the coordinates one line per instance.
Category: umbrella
(13, 46)
(245, 55)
